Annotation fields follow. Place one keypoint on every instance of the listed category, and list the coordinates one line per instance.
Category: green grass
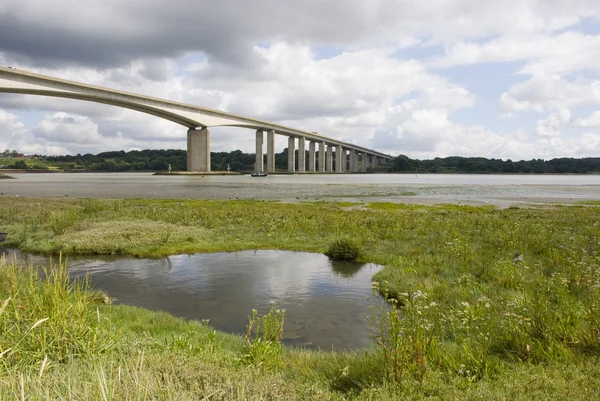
(489, 304)
(344, 249)
(31, 163)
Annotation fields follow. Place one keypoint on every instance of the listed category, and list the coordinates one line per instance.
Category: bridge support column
(322, 157)
(258, 164)
(329, 159)
(291, 154)
(351, 163)
(301, 155)
(355, 168)
(198, 150)
(365, 162)
(311, 157)
(340, 156)
(270, 151)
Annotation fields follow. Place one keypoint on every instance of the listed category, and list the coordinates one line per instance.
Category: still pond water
(325, 301)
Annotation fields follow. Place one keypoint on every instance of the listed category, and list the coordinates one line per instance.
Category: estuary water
(325, 301)
(501, 190)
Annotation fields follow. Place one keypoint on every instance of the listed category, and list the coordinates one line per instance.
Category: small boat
(261, 174)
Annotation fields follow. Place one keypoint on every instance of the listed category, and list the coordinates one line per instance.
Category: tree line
(456, 164)
(238, 161)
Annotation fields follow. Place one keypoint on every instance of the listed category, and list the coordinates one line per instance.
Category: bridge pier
(340, 155)
(198, 150)
(322, 157)
(270, 151)
(291, 154)
(352, 163)
(301, 155)
(365, 162)
(311, 157)
(258, 164)
(329, 158)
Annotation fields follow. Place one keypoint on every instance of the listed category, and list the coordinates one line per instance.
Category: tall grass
(262, 340)
(46, 320)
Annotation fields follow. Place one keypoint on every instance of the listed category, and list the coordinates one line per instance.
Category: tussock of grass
(344, 249)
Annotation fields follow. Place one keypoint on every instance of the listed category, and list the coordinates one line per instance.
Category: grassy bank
(491, 304)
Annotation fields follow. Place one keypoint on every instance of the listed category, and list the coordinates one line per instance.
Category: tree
(21, 165)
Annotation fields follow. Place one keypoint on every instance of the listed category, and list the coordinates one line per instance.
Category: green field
(490, 304)
(7, 162)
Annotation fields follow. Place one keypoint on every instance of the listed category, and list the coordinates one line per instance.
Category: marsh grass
(344, 249)
(486, 303)
(46, 319)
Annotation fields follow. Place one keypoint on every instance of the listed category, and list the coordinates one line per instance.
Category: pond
(325, 301)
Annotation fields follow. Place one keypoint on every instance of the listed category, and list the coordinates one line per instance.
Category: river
(501, 190)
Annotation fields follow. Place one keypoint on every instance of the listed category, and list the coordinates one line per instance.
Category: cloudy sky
(507, 79)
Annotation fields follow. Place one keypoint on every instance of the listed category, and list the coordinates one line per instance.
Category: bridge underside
(199, 119)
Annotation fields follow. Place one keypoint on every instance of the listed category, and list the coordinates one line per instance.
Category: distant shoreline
(235, 173)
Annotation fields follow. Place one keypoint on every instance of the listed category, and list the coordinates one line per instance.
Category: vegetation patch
(45, 319)
(262, 341)
(119, 237)
(482, 304)
(344, 249)
(6, 177)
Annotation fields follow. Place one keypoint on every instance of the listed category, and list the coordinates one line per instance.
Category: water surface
(325, 301)
(501, 190)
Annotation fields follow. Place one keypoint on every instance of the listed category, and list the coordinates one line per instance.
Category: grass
(486, 304)
(344, 249)
(31, 163)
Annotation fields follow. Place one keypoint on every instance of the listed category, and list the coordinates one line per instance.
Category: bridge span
(333, 155)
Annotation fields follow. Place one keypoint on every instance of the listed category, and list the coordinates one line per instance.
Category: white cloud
(10, 129)
(563, 53)
(551, 125)
(544, 92)
(593, 121)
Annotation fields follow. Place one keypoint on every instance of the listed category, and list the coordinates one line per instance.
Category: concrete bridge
(334, 155)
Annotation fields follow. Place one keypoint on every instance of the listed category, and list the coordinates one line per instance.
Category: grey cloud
(155, 70)
(113, 32)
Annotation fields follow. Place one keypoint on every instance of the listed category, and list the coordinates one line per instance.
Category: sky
(516, 79)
